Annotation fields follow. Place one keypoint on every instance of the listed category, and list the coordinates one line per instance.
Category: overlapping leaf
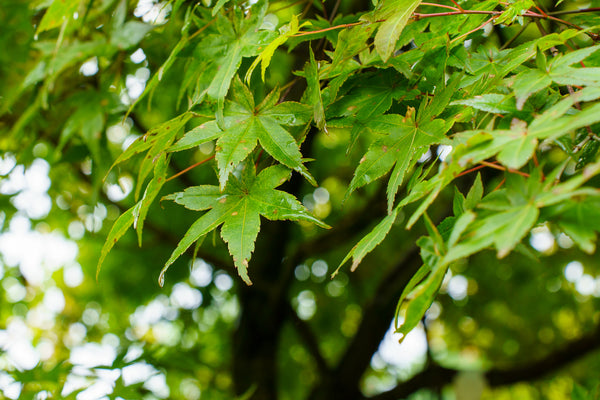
(154, 143)
(394, 15)
(313, 92)
(399, 147)
(515, 147)
(238, 208)
(220, 52)
(246, 125)
(369, 98)
(264, 58)
(580, 220)
(58, 12)
(559, 70)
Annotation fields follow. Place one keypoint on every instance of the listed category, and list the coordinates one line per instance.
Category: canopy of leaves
(448, 150)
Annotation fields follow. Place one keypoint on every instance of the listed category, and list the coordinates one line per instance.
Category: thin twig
(550, 17)
(334, 11)
(324, 10)
(459, 12)
(287, 88)
(305, 11)
(530, 14)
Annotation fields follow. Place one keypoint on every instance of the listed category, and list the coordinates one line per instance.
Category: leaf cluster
(405, 82)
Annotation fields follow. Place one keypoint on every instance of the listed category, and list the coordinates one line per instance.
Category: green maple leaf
(246, 125)
(57, 14)
(398, 148)
(238, 208)
(230, 41)
(369, 98)
(395, 15)
(559, 70)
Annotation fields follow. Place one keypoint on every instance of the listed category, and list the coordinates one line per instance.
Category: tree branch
(309, 339)
(344, 380)
(377, 315)
(435, 377)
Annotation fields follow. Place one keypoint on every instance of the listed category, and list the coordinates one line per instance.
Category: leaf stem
(190, 167)
(540, 10)
(331, 28)
(441, 6)
(468, 171)
(500, 184)
(502, 168)
(324, 10)
(199, 31)
(472, 30)
(515, 36)
(456, 4)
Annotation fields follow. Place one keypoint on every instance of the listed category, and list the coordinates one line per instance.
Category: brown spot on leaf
(234, 213)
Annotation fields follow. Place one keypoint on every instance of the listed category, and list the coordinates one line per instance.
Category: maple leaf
(245, 125)
(406, 139)
(398, 148)
(238, 208)
(369, 98)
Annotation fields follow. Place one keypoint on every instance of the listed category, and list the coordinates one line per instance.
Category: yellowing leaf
(264, 58)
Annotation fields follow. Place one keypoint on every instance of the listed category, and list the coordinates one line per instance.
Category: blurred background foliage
(64, 93)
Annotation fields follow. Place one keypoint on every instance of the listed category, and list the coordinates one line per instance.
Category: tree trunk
(263, 313)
